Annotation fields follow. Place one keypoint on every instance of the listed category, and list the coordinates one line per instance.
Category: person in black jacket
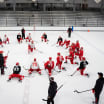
(1, 62)
(52, 90)
(16, 72)
(69, 31)
(23, 33)
(98, 87)
(82, 66)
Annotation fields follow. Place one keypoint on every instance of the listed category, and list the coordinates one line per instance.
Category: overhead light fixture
(97, 1)
(65, 0)
(1, 1)
(34, 0)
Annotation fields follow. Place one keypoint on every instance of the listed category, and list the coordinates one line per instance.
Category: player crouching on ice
(16, 73)
(66, 43)
(60, 41)
(70, 57)
(5, 39)
(28, 38)
(59, 60)
(31, 47)
(19, 38)
(44, 37)
(49, 65)
(82, 66)
(34, 67)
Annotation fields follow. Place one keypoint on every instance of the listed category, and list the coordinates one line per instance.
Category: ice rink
(34, 88)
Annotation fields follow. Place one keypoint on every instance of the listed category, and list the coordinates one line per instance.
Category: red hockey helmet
(83, 58)
(81, 47)
(34, 59)
(17, 63)
(50, 58)
(32, 41)
(58, 53)
(1, 52)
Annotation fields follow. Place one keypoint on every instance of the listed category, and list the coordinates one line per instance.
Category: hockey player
(73, 47)
(70, 57)
(1, 63)
(16, 73)
(98, 87)
(23, 33)
(59, 61)
(5, 59)
(67, 43)
(19, 38)
(28, 38)
(60, 41)
(49, 65)
(52, 90)
(1, 43)
(31, 47)
(80, 53)
(34, 67)
(77, 45)
(6, 39)
(44, 37)
(82, 66)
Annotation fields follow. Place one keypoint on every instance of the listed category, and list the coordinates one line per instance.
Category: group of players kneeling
(74, 50)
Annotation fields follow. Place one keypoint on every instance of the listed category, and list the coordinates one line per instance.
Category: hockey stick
(82, 91)
(56, 70)
(24, 67)
(8, 53)
(73, 73)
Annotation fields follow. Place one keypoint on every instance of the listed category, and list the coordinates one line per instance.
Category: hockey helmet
(17, 63)
(83, 58)
(50, 58)
(77, 41)
(32, 41)
(1, 52)
(58, 53)
(34, 59)
(5, 35)
(81, 47)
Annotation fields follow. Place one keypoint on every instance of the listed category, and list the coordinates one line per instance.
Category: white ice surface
(33, 89)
